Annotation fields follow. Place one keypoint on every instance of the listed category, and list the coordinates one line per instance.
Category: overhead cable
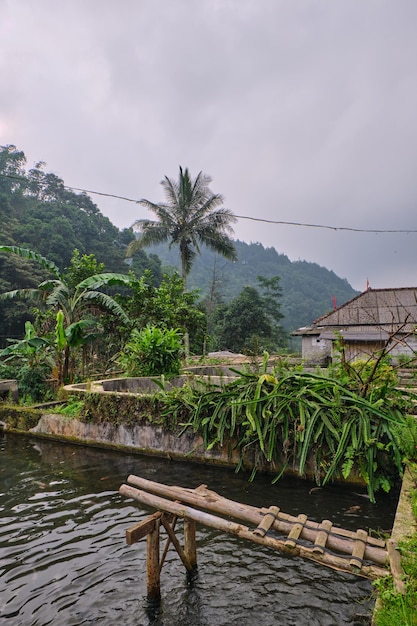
(242, 217)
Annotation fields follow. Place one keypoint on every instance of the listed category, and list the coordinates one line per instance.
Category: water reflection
(64, 558)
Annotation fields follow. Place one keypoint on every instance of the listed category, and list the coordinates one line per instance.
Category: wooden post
(190, 546)
(396, 567)
(153, 578)
(176, 543)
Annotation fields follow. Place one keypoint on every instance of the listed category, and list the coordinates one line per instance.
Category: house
(374, 319)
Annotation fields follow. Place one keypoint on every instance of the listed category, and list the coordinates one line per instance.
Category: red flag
(334, 302)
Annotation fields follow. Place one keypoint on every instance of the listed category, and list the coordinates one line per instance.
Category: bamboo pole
(339, 539)
(296, 531)
(359, 548)
(267, 521)
(322, 536)
(207, 519)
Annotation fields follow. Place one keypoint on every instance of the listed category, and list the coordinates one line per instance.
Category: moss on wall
(128, 410)
(19, 418)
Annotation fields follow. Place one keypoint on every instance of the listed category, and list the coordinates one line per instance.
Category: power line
(355, 230)
(242, 217)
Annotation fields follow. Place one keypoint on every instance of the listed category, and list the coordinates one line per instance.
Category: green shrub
(406, 437)
(32, 381)
(152, 351)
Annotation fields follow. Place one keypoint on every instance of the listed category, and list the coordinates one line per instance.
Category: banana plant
(76, 307)
(31, 350)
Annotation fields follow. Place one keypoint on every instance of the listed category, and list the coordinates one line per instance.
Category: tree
(166, 306)
(271, 297)
(140, 262)
(245, 325)
(76, 305)
(189, 218)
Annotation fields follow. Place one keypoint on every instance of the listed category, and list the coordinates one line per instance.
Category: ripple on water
(64, 560)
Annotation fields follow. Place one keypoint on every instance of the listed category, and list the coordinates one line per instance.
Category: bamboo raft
(323, 543)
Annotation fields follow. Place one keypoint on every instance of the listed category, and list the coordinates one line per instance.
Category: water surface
(64, 561)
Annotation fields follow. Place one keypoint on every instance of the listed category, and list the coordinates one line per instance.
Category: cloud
(300, 111)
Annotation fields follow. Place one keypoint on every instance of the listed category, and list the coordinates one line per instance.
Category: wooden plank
(141, 529)
(296, 530)
(359, 549)
(219, 523)
(395, 565)
(267, 521)
(322, 536)
(339, 540)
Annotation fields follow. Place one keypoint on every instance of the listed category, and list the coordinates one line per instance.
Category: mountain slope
(308, 289)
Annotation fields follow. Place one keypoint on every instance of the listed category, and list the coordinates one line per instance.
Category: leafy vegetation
(72, 407)
(152, 351)
(39, 213)
(310, 421)
(166, 306)
(29, 361)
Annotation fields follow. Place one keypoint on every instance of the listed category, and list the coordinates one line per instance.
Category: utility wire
(242, 217)
(354, 230)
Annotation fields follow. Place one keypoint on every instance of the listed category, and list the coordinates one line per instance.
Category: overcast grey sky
(300, 111)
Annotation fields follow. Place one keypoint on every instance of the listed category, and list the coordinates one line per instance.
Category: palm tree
(75, 306)
(189, 218)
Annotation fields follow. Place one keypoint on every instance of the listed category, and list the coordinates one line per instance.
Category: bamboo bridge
(337, 548)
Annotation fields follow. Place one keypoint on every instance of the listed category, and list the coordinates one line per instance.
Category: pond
(64, 561)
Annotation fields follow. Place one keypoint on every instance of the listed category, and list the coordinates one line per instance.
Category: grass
(396, 609)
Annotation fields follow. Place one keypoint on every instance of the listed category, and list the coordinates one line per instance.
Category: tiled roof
(375, 307)
(373, 311)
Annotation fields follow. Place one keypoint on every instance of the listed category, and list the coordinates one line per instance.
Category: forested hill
(38, 212)
(308, 289)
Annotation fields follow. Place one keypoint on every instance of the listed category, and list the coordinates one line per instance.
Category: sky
(301, 111)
